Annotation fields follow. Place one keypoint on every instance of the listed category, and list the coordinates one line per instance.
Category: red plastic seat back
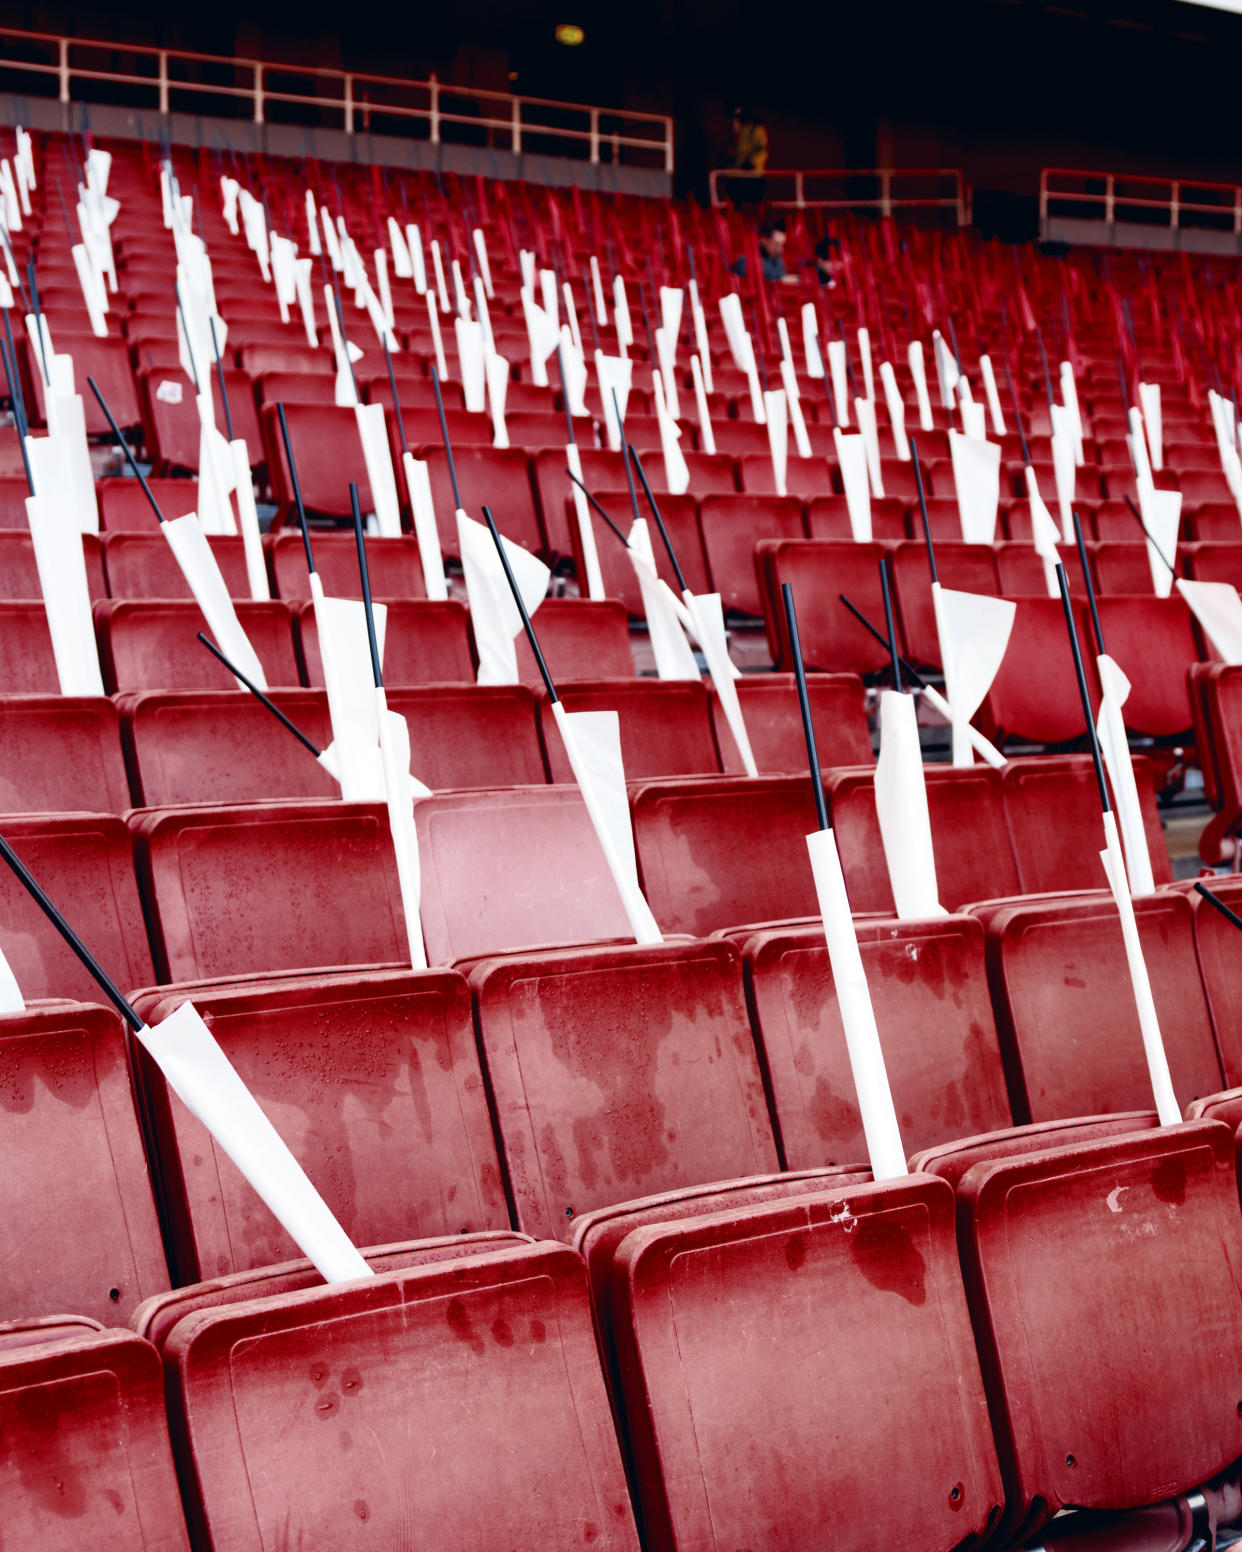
(731, 526)
(153, 645)
(666, 727)
(773, 720)
(818, 570)
(495, 477)
(27, 664)
(237, 891)
(967, 568)
(929, 989)
(425, 642)
(572, 1051)
(392, 564)
(327, 451)
(580, 638)
(1034, 697)
(1153, 641)
(59, 753)
(142, 565)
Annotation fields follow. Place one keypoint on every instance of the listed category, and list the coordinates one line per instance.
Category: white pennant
(1115, 747)
(852, 461)
(494, 616)
(976, 477)
(896, 411)
(901, 808)
(974, 633)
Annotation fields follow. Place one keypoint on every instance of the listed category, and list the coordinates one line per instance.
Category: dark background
(999, 88)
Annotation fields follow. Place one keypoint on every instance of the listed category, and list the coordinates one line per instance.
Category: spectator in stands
(828, 261)
(772, 238)
(748, 157)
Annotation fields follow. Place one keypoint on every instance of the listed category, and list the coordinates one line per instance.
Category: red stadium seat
(425, 642)
(580, 638)
(496, 477)
(968, 568)
(398, 1144)
(770, 709)
(666, 726)
(828, 517)
(1153, 641)
(328, 454)
(731, 526)
(59, 753)
(929, 989)
(504, 1337)
(1216, 943)
(124, 506)
(818, 570)
(1066, 1015)
(574, 1050)
(142, 565)
(70, 1137)
(680, 514)
(393, 564)
(1034, 697)
(27, 664)
(172, 424)
(846, 1304)
(87, 1461)
(153, 645)
(267, 887)
(85, 863)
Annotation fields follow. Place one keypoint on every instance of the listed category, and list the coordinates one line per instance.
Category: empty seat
(170, 416)
(153, 644)
(1055, 1245)
(85, 863)
(1034, 697)
(27, 664)
(272, 886)
(1052, 808)
(731, 526)
(974, 856)
(223, 746)
(588, 1053)
(1065, 1011)
(19, 575)
(818, 570)
(580, 638)
(1153, 641)
(495, 477)
(1217, 943)
(666, 726)
(716, 853)
(506, 870)
(123, 505)
(835, 1315)
(60, 753)
(425, 642)
(929, 989)
(773, 719)
(373, 1082)
(142, 565)
(472, 735)
(327, 451)
(393, 565)
(474, 1385)
(86, 1459)
(968, 568)
(828, 517)
(77, 1202)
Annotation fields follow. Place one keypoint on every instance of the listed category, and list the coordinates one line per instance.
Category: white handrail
(516, 118)
(884, 200)
(1173, 198)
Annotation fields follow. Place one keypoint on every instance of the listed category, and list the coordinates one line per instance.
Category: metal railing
(1173, 204)
(271, 93)
(881, 189)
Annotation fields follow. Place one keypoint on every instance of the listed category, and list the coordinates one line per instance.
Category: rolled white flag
(394, 740)
(57, 541)
(757, 410)
(188, 543)
(702, 344)
(402, 266)
(205, 1081)
(1167, 1107)
(216, 476)
(810, 341)
(437, 339)
(1043, 533)
(1149, 399)
(793, 404)
(840, 380)
(551, 299)
(494, 616)
(485, 269)
(621, 314)
(418, 261)
(852, 461)
(676, 472)
(707, 434)
(613, 374)
(864, 413)
(896, 411)
(306, 300)
(496, 369)
(707, 622)
(974, 633)
(66, 420)
(341, 629)
(777, 416)
(464, 309)
(377, 456)
(1064, 477)
(1161, 511)
(976, 477)
(666, 346)
(862, 1038)
(441, 286)
(1136, 441)
(597, 293)
(93, 293)
(312, 225)
(573, 365)
(1069, 397)
(248, 521)
(485, 317)
(284, 262)
(471, 363)
(426, 530)
(1114, 745)
(901, 808)
(864, 352)
(544, 334)
(674, 658)
(974, 414)
(735, 328)
(11, 999)
(918, 371)
(947, 373)
(991, 395)
(592, 742)
(1218, 609)
(593, 577)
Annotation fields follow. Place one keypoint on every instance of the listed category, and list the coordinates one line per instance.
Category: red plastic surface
(150, 645)
(142, 565)
(666, 727)
(589, 1056)
(59, 753)
(424, 643)
(774, 723)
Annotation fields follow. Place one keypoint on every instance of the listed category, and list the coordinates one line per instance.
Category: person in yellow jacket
(748, 155)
